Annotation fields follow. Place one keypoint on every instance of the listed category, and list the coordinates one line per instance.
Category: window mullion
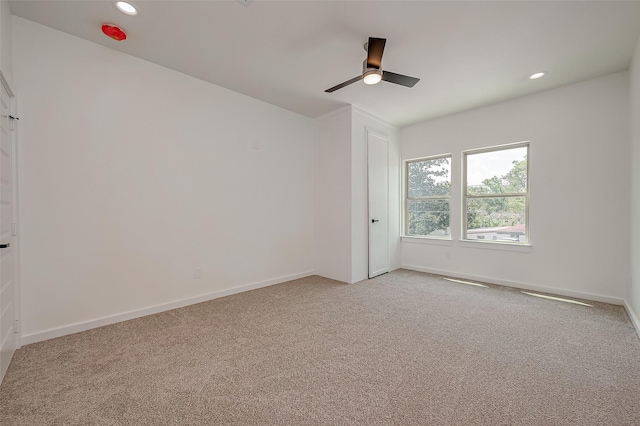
(498, 195)
(429, 197)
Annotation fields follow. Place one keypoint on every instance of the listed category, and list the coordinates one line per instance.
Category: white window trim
(496, 245)
(405, 223)
(417, 239)
(465, 197)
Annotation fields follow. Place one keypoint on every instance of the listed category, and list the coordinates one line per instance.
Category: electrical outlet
(197, 273)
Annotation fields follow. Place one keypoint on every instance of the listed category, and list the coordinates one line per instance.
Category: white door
(8, 341)
(378, 191)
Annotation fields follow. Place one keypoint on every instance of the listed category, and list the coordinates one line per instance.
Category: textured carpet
(404, 348)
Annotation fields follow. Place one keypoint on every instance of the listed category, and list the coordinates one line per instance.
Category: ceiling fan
(371, 72)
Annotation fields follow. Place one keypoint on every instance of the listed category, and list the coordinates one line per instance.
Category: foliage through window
(496, 194)
(428, 189)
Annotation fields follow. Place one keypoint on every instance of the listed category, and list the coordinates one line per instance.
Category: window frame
(466, 196)
(405, 227)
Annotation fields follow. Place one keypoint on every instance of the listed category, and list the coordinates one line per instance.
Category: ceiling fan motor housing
(371, 75)
(366, 69)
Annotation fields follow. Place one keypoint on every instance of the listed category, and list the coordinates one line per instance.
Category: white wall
(579, 189)
(342, 226)
(132, 175)
(360, 122)
(333, 195)
(6, 56)
(634, 291)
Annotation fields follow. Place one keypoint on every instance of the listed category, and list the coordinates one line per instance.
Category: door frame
(14, 201)
(374, 132)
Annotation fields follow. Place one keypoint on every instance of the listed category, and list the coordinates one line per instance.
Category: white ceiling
(467, 54)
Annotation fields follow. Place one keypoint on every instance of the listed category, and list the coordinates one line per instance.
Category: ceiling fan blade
(402, 80)
(375, 47)
(346, 83)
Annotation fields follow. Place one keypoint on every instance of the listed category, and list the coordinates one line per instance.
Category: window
(428, 189)
(496, 195)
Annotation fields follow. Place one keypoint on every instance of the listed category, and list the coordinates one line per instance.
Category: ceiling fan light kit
(372, 72)
(372, 77)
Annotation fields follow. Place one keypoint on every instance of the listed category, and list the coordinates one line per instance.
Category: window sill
(496, 245)
(427, 240)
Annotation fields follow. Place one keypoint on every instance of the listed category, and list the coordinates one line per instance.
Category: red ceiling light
(114, 32)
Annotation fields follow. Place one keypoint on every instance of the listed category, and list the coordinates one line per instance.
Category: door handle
(5, 245)
(374, 220)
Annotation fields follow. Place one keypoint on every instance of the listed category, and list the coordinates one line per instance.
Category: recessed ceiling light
(126, 8)
(536, 75)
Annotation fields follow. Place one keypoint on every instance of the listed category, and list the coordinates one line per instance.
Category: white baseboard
(632, 315)
(524, 286)
(125, 316)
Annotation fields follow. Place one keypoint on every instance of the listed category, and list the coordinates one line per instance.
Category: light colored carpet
(404, 348)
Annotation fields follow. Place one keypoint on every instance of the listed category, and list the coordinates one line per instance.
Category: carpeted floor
(405, 348)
